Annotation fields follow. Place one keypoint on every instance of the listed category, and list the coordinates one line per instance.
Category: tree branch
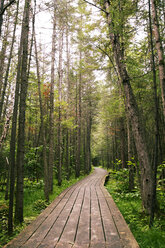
(95, 6)
(6, 6)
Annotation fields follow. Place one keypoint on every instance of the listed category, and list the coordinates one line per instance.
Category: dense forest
(82, 83)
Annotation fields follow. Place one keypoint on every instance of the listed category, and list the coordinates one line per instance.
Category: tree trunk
(9, 62)
(155, 162)
(130, 166)
(59, 110)
(2, 11)
(68, 102)
(160, 53)
(122, 143)
(134, 116)
(1, 15)
(13, 138)
(51, 118)
(78, 160)
(3, 55)
(22, 110)
(88, 143)
(42, 129)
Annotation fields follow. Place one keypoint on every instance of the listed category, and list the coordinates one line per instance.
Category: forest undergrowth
(34, 204)
(129, 203)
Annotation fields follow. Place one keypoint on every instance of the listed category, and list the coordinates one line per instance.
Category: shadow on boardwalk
(84, 215)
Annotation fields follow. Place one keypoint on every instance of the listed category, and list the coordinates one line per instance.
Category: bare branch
(95, 6)
(6, 6)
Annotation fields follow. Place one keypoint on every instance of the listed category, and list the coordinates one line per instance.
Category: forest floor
(84, 215)
(130, 206)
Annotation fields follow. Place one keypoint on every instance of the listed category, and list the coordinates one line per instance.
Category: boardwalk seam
(79, 215)
(47, 216)
(68, 217)
(111, 212)
(101, 215)
(57, 217)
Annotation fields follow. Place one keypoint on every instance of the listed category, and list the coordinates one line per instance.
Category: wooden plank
(58, 226)
(70, 229)
(31, 228)
(126, 236)
(97, 233)
(97, 245)
(83, 232)
(44, 228)
(83, 216)
(111, 233)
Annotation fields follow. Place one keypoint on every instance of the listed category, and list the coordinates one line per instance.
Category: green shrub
(40, 205)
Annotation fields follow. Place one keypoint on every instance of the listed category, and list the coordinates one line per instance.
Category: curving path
(84, 215)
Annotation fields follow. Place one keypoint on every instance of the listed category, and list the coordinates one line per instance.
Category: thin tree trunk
(2, 11)
(42, 129)
(155, 162)
(51, 118)
(160, 53)
(1, 15)
(13, 138)
(130, 166)
(22, 110)
(3, 55)
(9, 62)
(68, 101)
(78, 162)
(59, 110)
(122, 143)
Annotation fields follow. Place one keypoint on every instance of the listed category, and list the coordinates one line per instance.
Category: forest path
(84, 215)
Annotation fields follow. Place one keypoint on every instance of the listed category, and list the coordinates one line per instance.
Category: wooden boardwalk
(84, 215)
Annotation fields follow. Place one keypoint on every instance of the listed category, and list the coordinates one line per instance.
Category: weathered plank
(83, 216)
(83, 229)
(125, 234)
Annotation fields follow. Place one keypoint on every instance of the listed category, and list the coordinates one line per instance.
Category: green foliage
(121, 176)
(40, 205)
(4, 157)
(33, 164)
(130, 207)
(3, 218)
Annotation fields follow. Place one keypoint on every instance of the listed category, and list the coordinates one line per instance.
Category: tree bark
(3, 55)
(9, 62)
(160, 53)
(2, 11)
(59, 110)
(68, 102)
(42, 129)
(22, 110)
(51, 118)
(155, 161)
(78, 159)
(13, 138)
(134, 115)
